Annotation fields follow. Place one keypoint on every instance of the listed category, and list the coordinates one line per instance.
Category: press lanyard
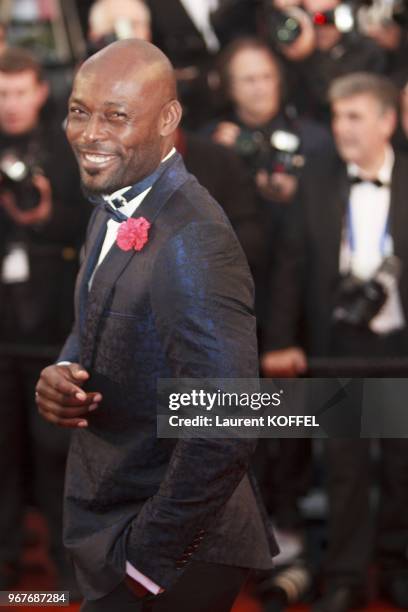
(351, 239)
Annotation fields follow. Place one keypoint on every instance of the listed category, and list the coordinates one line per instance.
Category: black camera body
(358, 301)
(275, 152)
(16, 175)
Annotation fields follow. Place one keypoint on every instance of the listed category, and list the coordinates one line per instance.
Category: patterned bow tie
(357, 180)
(112, 208)
(113, 205)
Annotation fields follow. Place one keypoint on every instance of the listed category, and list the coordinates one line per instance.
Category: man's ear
(170, 117)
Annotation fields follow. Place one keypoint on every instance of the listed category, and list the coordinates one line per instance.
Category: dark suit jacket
(181, 307)
(224, 174)
(307, 270)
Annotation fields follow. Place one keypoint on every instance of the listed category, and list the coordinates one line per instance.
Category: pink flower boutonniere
(133, 234)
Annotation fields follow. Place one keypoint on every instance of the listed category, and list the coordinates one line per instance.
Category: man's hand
(226, 133)
(278, 186)
(285, 363)
(38, 214)
(388, 36)
(60, 397)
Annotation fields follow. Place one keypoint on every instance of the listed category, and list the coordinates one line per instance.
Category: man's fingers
(64, 379)
(65, 400)
(78, 372)
(62, 411)
(60, 397)
(60, 388)
(70, 423)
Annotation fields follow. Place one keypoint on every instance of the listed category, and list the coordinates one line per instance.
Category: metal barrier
(43, 352)
(326, 367)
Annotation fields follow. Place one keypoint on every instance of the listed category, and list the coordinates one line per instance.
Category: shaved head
(134, 58)
(123, 113)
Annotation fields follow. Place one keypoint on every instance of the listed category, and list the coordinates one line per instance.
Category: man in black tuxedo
(177, 519)
(191, 33)
(350, 218)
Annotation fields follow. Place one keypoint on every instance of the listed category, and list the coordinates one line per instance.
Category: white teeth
(97, 159)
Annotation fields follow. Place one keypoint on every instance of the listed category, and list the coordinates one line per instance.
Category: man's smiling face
(113, 124)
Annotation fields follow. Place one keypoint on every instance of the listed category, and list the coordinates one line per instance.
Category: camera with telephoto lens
(16, 175)
(284, 28)
(275, 152)
(359, 301)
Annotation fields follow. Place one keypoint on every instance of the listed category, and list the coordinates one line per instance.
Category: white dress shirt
(112, 225)
(369, 207)
(199, 13)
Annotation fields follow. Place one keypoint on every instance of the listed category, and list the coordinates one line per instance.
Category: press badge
(16, 267)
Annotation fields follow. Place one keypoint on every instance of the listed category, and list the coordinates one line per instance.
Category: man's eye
(118, 115)
(74, 110)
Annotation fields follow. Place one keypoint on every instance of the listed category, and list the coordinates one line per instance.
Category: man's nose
(94, 129)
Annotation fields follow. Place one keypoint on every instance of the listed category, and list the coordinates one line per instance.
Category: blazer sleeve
(202, 298)
(70, 350)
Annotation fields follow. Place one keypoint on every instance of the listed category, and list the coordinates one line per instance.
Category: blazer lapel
(97, 237)
(117, 260)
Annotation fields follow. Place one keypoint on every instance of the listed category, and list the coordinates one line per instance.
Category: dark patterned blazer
(182, 307)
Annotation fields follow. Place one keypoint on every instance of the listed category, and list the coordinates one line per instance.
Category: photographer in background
(271, 142)
(343, 271)
(320, 41)
(42, 223)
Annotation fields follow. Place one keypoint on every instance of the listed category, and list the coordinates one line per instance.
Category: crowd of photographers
(296, 120)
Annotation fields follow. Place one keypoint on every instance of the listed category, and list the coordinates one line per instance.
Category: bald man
(164, 292)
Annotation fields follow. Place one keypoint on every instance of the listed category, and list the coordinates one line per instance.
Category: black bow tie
(356, 180)
(112, 208)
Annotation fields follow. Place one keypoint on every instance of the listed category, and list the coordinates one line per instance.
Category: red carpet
(38, 575)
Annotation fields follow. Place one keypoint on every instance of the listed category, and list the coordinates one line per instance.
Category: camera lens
(288, 31)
